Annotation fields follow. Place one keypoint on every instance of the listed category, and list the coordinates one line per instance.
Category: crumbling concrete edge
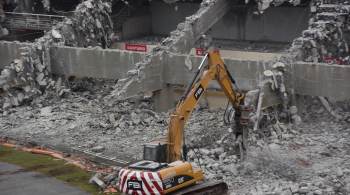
(148, 74)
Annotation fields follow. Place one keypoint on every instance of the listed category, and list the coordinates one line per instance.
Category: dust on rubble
(311, 157)
(85, 119)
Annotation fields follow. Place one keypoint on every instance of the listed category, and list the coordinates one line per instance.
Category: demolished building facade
(107, 125)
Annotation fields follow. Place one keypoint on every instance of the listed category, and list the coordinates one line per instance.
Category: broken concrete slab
(148, 75)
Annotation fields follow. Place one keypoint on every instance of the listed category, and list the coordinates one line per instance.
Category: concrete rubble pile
(271, 166)
(286, 159)
(46, 4)
(3, 30)
(296, 158)
(326, 38)
(85, 119)
(30, 75)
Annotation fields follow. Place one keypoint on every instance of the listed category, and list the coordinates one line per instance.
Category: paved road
(13, 180)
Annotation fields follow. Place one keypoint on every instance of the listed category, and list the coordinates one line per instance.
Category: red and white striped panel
(151, 182)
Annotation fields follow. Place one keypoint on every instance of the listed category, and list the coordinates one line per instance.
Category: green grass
(49, 166)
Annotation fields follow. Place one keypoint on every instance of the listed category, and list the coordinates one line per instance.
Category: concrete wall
(82, 62)
(8, 52)
(279, 24)
(307, 79)
(322, 80)
(245, 72)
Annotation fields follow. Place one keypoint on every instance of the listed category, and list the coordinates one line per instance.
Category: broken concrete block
(46, 111)
(98, 149)
(96, 180)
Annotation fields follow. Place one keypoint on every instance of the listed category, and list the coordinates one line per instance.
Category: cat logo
(180, 180)
(199, 91)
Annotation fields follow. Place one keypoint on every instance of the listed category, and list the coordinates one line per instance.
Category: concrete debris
(326, 105)
(262, 5)
(286, 164)
(182, 40)
(96, 180)
(46, 4)
(326, 38)
(3, 30)
(105, 180)
(91, 122)
(46, 111)
(285, 156)
(98, 149)
(30, 75)
(281, 157)
(274, 81)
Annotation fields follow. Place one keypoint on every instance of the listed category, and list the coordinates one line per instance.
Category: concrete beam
(190, 31)
(148, 74)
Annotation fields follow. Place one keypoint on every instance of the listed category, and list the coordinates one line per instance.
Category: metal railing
(31, 21)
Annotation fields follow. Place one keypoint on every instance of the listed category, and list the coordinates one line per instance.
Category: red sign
(136, 47)
(333, 60)
(200, 52)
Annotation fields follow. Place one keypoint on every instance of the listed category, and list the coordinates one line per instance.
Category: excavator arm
(163, 158)
(214, 70)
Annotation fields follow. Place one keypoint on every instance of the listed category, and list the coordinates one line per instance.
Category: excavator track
(205, 188)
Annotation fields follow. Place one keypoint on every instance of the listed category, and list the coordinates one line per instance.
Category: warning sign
(136, 47)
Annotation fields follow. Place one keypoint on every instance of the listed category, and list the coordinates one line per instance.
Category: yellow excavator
(164, 169)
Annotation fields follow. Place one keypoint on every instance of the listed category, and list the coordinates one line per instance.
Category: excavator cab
(164, 170)
(155, 151)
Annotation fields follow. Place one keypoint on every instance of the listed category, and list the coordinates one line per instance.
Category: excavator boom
(163, 170)
(215, 70)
